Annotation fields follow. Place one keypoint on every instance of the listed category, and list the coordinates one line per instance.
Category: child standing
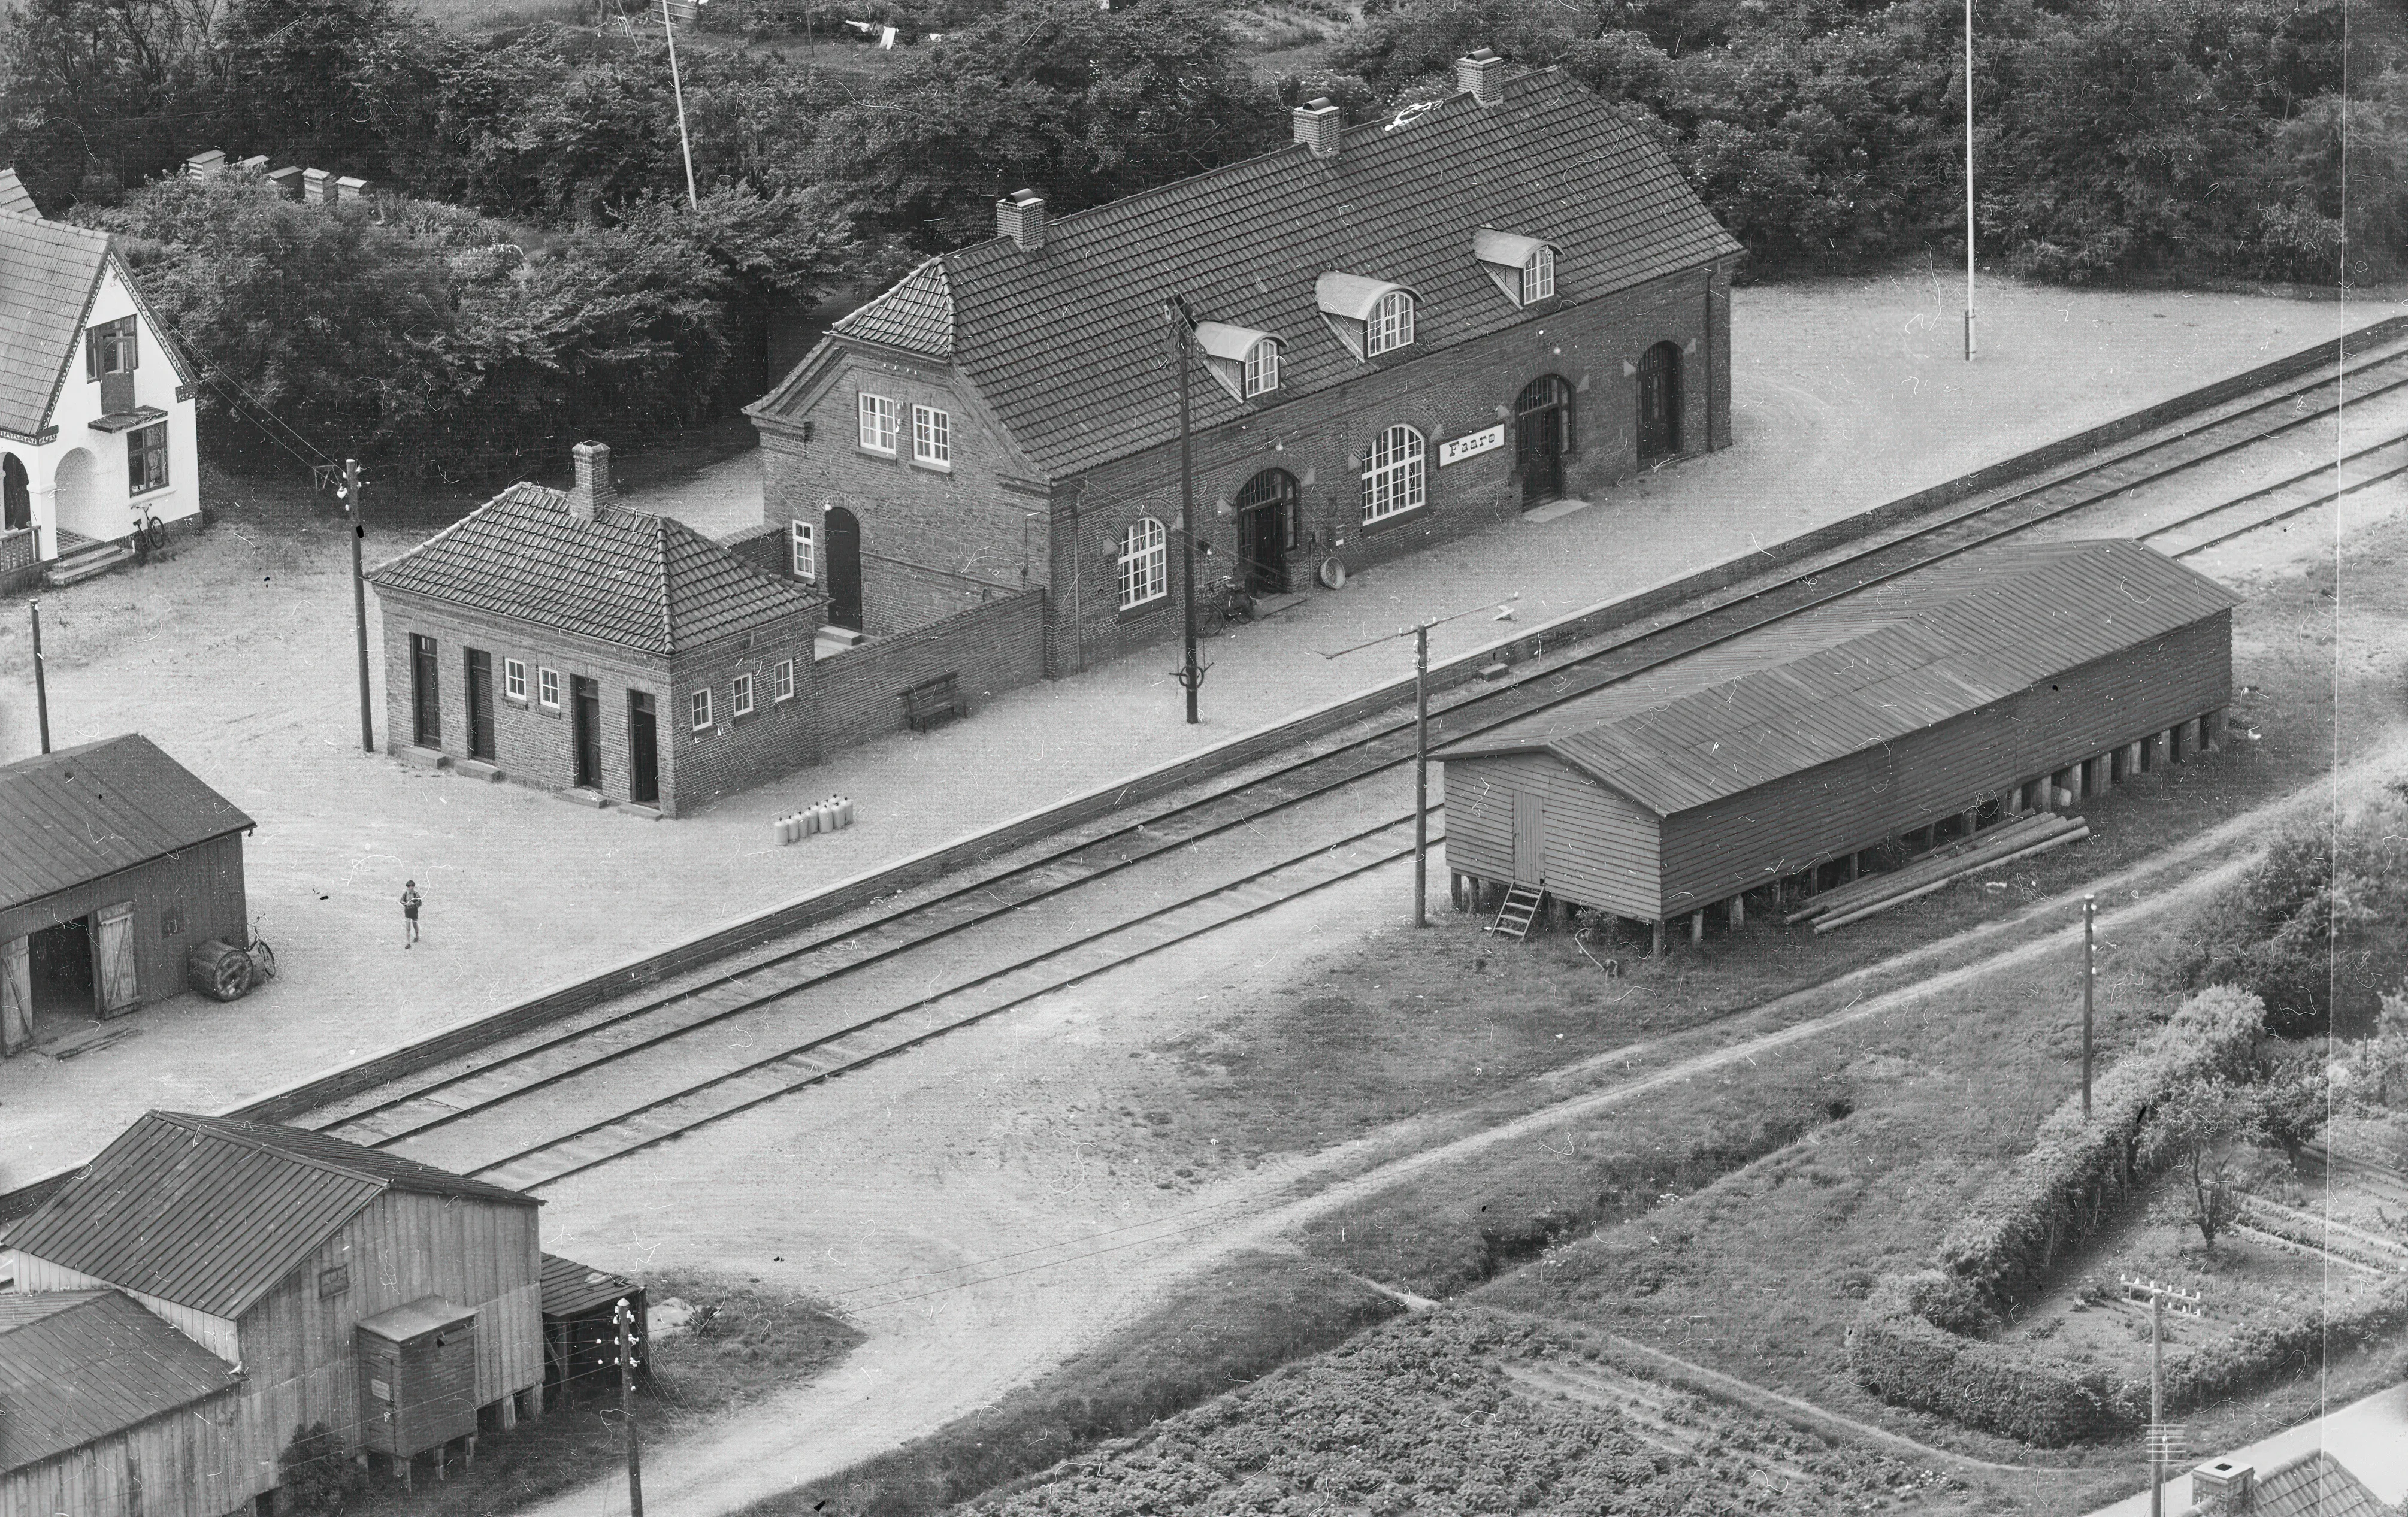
(410, 912)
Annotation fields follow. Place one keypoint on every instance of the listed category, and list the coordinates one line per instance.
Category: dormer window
(1245, 362)
(1523, 268)
(1371, 317)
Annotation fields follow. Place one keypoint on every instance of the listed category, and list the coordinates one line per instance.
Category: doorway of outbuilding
(63, 981)
(1659, 403)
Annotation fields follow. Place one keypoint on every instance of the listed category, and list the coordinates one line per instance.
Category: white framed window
(932, 436)
(1391, 325)
(700, 705)
(146, 458)
(804, 548)
(514, 680)
(1394, 480)
(782, 681)
(877, 423)
(547, 688)
(1145, 564)
(1262, 368)
(1538, 275)
(741, 697)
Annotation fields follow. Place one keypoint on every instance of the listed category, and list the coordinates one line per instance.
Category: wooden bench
(931, 702)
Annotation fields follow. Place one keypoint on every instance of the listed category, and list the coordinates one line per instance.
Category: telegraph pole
(1420, 775)
(623, 1317)
(1969, 180)
(357, 509)
(1183, 326)
(2089, 978)
(41, 686)
(677, 87)
(2165, 1443)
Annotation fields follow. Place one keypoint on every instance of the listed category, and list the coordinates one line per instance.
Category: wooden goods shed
(1993, 680)
(118, 862)
(108, 1412)
(270, 1246)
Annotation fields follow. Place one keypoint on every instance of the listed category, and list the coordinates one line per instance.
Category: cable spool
(1332, 573)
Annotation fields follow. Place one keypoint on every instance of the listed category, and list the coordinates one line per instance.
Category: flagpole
(677, 87)
(1969, 180)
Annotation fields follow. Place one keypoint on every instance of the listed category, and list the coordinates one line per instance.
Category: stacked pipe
(1935, 871)
(833, 814)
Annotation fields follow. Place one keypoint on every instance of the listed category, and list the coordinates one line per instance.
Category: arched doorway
(15, 494)
(1659, 403)
(1542, 429)
(1267, 516)
(842, 530)
(78, 503)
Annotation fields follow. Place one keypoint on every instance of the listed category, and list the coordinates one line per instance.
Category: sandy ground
(236, 656)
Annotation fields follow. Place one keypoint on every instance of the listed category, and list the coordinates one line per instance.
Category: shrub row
(2077, 1168)
(1907, 1362)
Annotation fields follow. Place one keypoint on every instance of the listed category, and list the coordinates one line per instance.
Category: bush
(1907, 1361)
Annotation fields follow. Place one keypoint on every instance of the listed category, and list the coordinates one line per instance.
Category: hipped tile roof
(1862, 671)
(1068, 341)
(95, 809)
(627, 578)
(211, 1213)
(77, 1367)
(15, 199)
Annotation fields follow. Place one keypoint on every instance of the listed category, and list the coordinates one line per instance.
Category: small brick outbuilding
(559, 639)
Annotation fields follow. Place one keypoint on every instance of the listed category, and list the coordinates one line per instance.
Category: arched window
(1393, 474)
(1145, 564)
(1391, 325)
(1538, 275)
(1261, 367)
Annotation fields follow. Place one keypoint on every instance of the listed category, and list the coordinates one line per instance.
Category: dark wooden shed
(118, 861)
(418, 1377)
(1993, 682)
(579, 1324)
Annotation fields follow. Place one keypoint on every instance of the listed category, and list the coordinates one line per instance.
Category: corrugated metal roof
(1067, 342)
(94, 1365)
(211, 1213)
(15, 199)
(571, 1289)
(626, 578)
(48, 273)
(1862, 671)
(87, 811)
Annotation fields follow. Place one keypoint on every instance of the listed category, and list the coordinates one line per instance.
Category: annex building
(1980, 687)
(1405, 331)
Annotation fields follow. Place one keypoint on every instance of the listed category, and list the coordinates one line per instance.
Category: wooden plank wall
(1714, 851)
(215, 1333)
(181, 1465)
(1601, 848)
(204, 882)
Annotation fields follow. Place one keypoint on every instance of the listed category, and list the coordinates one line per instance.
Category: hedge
(1907, 1362)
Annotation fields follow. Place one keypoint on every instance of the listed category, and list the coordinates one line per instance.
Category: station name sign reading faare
(1471, 445)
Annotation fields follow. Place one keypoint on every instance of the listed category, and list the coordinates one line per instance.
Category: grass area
(1233, 1324)
(747, 1345)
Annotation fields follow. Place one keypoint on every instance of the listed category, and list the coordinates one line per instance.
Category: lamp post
(1183, 330)
(2089, 978)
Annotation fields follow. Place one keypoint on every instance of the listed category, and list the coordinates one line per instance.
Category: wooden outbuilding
(580, 1321)
(108, 1412)
(118, 862)
(273, 1247)
(418, 1377)
(1989, 684)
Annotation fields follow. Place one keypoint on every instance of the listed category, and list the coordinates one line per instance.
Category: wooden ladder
(1520, 910)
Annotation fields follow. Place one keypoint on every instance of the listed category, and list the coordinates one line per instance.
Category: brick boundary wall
(861, 889)
(988, 650)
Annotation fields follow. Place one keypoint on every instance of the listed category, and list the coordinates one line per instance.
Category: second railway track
(579, 1096)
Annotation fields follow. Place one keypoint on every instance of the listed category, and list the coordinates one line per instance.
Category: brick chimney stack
(593, 490)
(1481, 76)
(1318, 126)
(2226, 1481)
(1021, 217)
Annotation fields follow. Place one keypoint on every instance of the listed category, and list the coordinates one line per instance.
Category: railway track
(534, 1113)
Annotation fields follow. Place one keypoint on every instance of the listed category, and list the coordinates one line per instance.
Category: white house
(96, 428)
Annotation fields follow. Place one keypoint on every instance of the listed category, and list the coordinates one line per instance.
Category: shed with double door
(1977, 688)
(118, 861)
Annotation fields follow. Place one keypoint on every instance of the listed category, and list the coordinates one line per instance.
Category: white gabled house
(98, 436)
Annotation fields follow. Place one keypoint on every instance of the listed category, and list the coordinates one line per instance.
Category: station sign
(1471, 445)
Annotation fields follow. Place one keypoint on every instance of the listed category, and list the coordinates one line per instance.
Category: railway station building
(1405, 331)
(2005, 679)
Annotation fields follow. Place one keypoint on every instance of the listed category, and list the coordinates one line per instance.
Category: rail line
(814, 1013)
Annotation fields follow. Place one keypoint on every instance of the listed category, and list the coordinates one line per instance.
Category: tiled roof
(2314, 1485)
(14, 199)
(916, 315)
(77, 1367)
(48, 273)
(1862, 671)
(90, 811)
(1067, 342)
(211, 1213)
(626, 578)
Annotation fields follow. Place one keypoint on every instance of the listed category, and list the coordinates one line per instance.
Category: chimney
(1021, 217)
(1318, 126)
(2225, 1482)
(593, 490)
(1481, 76)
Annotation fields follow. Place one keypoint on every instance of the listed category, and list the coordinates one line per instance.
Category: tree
(300, 67)
(2201, 1132)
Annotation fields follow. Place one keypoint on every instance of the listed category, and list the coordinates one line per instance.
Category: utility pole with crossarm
(2165, 1441)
